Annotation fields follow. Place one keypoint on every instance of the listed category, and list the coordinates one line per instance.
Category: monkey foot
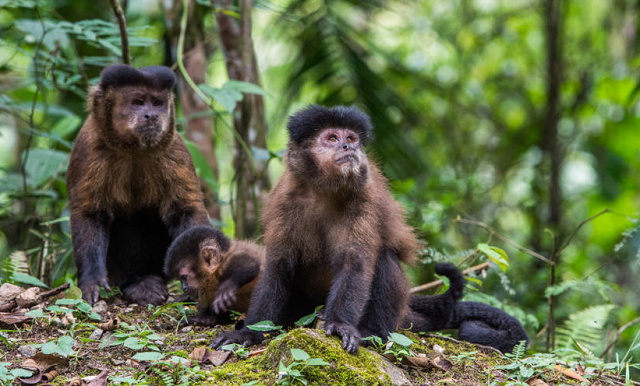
(244, 337)
(148, 290)
(349, 334)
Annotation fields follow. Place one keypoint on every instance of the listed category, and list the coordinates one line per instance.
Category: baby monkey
(220, 273)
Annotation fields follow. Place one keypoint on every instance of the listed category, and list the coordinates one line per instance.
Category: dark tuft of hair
(310, 121)
(154, 77)
(186, 247)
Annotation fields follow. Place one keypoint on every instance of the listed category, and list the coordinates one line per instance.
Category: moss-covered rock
(364, 368)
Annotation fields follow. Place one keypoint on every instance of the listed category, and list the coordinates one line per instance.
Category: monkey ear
(210, 257)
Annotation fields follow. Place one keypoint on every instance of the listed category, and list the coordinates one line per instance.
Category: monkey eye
(350, 139)
(157, 103)
(137, 102)
(333, 138)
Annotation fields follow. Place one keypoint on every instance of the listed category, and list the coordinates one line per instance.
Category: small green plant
(471, 355)
(8, 376)
(398, 346)
(236, 349)
(292, 374)
(135, 337)
(307, 320)
(62, 346)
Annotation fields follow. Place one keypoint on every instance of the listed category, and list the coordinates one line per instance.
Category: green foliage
(265, 325)
(585, 327)
(293, 373)
(307, 320)
(236, 349)
(8, 376)
(135, 337)
(62, 346)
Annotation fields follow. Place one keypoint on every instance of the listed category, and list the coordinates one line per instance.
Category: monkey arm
(268, 302)
(90, 242)
(347, 298)
(239, 270)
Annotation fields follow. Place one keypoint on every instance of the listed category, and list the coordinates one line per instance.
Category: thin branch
(575, 232)
(435, 283)
(618, 333)
(122, 23)
(506, 240)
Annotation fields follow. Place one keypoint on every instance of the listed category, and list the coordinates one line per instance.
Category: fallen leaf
(198, 354)
(216, 358)
(257, 352)
(537, 382)
(11, 318)
(421, 362)
(34, 379)
(100, 379)
(50, 375)
(110, 324)
(442, 364)
(568, 373)
(75, 382)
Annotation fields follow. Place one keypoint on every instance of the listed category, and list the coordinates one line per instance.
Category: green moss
(364, 368)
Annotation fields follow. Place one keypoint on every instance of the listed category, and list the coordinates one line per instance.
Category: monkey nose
(151, 117)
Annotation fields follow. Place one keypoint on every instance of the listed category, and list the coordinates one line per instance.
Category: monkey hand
(244, 337)
(147, 290)
(350, 335)
(225, 297)
(90, 288)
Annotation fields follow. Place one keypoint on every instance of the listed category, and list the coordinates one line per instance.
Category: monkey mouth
(349, 158)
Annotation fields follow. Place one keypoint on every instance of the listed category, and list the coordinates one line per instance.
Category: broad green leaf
(45, 164)
(496, 255)
(317, 362)
(148, 356)
(265, 325)
(84, 307)
(224, 96)
(66, 126)
(67, 302)
(35, 314)
(400, 339)
(27, 279)
(132, 343)
(21, 373)
(308, 319)
(299, 355)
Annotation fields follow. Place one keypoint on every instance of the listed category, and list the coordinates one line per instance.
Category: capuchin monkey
(334, 236)
(132, 185)
(217, 272)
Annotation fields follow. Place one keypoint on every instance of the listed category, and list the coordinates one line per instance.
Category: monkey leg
(149, 289)
(387, 300)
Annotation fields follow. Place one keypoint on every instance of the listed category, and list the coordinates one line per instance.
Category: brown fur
(128, 177)
(334, 236)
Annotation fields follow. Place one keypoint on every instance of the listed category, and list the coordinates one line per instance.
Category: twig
(435, 283)
(122, 23)
(55, 291)
(11, 304)
(618, 333)
(575, 232)
(506, 240)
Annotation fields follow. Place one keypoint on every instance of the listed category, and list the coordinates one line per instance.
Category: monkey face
(188, 281)
(140, 116)
(339, 151)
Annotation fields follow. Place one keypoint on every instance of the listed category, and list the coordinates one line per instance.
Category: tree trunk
(252, 184)
(199, 123)
(549, 141)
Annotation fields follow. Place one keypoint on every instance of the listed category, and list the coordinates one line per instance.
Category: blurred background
(503, 127)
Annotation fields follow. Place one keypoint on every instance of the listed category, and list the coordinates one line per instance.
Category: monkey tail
(486, 325)
(432, 313)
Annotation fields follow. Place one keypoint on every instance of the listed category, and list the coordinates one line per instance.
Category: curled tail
(490, 326)
(431, 313)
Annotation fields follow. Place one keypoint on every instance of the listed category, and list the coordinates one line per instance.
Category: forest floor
(63, 341)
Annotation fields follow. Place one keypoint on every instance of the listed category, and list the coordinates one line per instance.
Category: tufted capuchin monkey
(334, 235)
(132, 185)
(217, 272)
